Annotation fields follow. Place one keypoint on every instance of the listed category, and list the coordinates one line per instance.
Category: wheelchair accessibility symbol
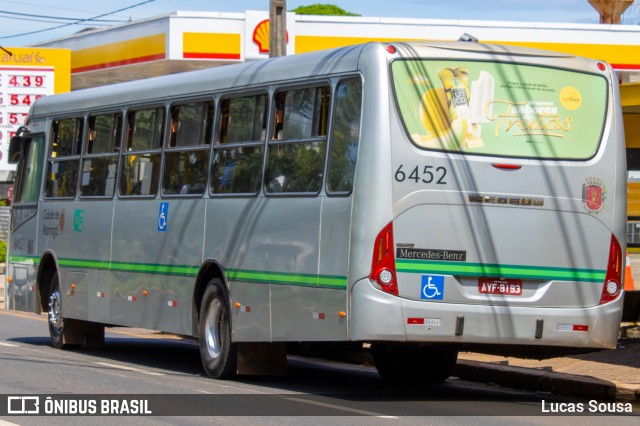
(163, 217)
(432, 287)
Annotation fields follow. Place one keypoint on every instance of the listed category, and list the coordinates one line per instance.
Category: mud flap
(82, 333)
(262, 358)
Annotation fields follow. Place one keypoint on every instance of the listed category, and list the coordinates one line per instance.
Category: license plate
(500, 286)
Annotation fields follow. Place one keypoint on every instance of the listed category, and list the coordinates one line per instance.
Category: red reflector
(383, 268)
(504, 166)
(614, 272)
(391, 49)
(601, 66)
(415, 321)
(577, 327)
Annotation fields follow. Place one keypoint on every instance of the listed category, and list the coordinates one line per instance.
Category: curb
(545, 381)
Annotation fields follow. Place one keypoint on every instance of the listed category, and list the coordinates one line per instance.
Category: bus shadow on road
(314, 381)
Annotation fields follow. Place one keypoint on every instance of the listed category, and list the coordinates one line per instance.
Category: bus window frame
(89, 156)
(271, 140)
(331, 134)
(206, 147)
(216, 145)
(70, 158)
(125, 154)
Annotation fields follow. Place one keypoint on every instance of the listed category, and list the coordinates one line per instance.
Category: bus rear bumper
(378, 316)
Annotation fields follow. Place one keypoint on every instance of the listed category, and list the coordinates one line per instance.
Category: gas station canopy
(183, 41)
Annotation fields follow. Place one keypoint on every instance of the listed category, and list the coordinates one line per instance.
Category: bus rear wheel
(217, 351)
(400, 362)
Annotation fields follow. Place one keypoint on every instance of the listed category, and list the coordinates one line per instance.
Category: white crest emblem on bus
(594, 194)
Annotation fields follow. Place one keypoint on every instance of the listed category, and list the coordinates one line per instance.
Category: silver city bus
(412, 198)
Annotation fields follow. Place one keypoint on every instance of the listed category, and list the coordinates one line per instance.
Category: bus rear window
(500, 109)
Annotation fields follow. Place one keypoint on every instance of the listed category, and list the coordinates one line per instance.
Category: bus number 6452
(428, 175)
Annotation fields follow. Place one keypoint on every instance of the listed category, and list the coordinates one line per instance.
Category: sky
(15, 22)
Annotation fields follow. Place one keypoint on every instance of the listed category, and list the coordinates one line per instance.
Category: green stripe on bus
(305, 280)
(279, 278)
(24, 260)
(503, 271)
(146, 268)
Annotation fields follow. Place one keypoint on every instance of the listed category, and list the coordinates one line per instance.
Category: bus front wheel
(56, 322)
(400, 362)
(217, 351)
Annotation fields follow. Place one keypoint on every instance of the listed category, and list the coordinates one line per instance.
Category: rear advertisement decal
(497, 108)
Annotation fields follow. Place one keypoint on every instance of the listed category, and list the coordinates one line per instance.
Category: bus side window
(140, 171)
(64, 158)
(187, 151)
(100, 163)
(297, 148)
(345, 136)
(239, 149)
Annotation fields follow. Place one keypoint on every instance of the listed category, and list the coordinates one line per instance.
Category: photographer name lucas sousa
(592, 406)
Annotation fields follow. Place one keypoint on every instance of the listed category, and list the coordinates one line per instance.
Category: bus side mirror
(15, 146)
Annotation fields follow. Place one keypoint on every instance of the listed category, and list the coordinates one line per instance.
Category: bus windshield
(500, 109)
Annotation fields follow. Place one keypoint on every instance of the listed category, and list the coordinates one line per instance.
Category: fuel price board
(25, 76)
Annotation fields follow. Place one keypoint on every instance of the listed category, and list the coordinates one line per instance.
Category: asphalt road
(137, 365)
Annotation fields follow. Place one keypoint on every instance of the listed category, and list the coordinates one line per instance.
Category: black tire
(55, 320)
(217, 351)
(401, 363)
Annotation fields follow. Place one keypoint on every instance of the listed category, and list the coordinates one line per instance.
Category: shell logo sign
(261, 36)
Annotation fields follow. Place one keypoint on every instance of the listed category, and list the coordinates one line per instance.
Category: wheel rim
(55, 320)
(213, 327)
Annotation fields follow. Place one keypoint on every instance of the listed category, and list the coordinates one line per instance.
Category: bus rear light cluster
(383, 267)
(613, 279)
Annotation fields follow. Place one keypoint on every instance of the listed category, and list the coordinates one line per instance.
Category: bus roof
(290, 68)
(334, 61)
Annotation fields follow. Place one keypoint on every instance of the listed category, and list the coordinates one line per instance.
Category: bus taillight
(613, 280)
(383, 268)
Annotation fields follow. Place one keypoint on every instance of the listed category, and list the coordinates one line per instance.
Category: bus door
(21, 291)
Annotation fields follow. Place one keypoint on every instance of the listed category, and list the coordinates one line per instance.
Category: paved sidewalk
(604, 375)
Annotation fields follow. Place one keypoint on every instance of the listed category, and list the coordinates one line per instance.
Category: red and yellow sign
(261, 35)
(27, 74)
(134, 51)
(211, 46)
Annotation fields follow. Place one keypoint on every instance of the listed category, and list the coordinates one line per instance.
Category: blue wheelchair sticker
(163, 217)
(432, 287)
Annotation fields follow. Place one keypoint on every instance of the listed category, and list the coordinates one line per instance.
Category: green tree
(323, 9)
